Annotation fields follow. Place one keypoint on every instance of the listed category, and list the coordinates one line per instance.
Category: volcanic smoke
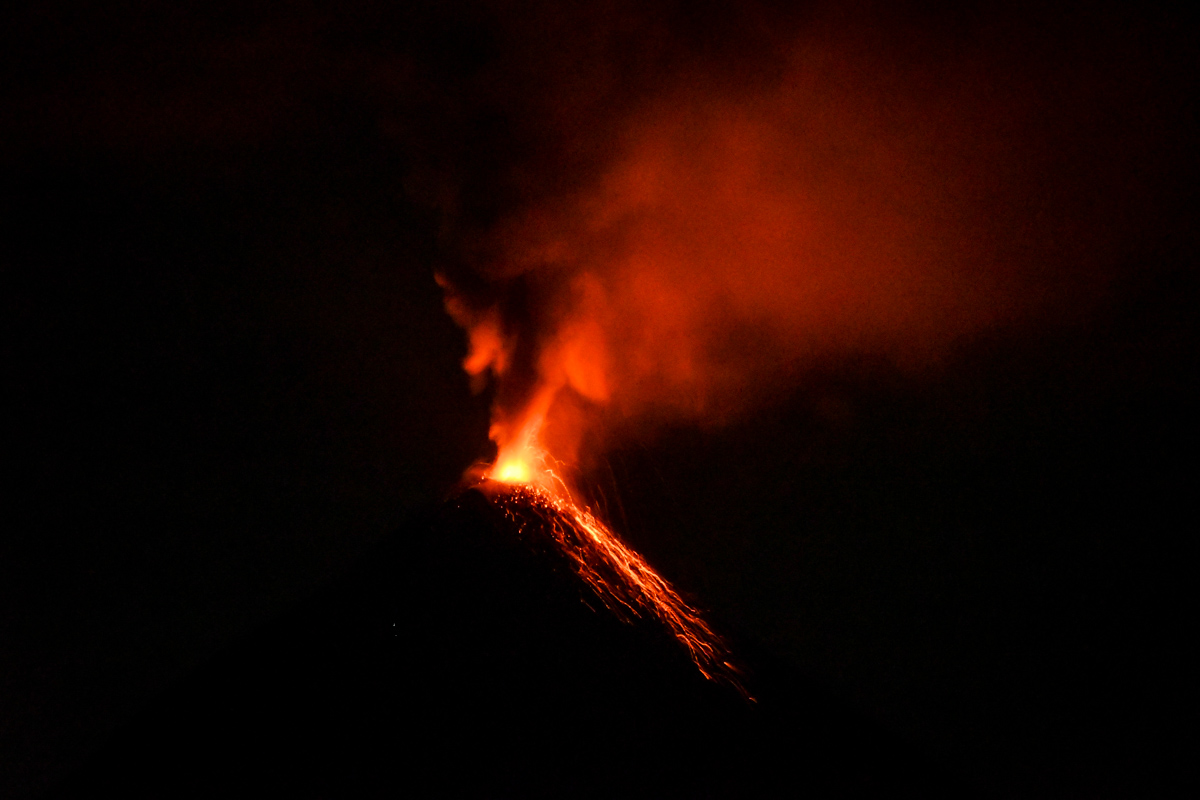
(718, 246)
(681, 249)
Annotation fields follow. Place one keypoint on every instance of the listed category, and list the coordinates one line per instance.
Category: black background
(229, 372)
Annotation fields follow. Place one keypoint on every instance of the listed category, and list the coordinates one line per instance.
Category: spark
(620, 577)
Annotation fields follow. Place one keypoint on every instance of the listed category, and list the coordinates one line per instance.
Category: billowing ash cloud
(668, 214)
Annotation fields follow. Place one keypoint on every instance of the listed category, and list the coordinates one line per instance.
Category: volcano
(466, 656)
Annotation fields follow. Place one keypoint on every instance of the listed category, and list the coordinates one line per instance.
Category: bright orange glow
(621, 578)
(521, 459)
(512, 471)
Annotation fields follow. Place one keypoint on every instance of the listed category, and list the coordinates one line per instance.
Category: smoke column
(679, 223)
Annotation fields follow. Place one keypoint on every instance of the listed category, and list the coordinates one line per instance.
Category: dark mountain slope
(461, 658)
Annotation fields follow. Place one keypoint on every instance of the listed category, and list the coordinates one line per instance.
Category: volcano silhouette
(462, 659)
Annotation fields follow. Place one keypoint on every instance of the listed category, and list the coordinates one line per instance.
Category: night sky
(230, 372)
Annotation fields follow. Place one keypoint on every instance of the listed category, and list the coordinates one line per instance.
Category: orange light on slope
(621, 578)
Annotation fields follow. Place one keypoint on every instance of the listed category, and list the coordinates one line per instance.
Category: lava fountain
(525, 484)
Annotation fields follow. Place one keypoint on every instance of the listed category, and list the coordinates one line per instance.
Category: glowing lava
(513, 470)
(522, 460)
(621, 578)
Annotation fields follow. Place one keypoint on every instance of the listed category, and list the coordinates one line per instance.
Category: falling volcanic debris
(803, 195)
(619, 577)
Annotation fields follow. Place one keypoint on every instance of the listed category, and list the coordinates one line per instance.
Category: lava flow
(530, 491)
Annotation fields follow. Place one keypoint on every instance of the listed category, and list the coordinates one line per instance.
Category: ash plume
(671, 214)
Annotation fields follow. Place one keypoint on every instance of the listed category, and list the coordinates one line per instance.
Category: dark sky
(230, 370)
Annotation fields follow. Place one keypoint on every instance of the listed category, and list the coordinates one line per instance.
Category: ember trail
(539, 502)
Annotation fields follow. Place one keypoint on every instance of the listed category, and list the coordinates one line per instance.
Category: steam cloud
(672, 227)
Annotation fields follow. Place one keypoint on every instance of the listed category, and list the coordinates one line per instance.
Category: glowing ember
(621, 578)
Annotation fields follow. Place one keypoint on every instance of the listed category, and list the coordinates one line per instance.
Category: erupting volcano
(526, 481)
(541, 505)
(685, 259)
